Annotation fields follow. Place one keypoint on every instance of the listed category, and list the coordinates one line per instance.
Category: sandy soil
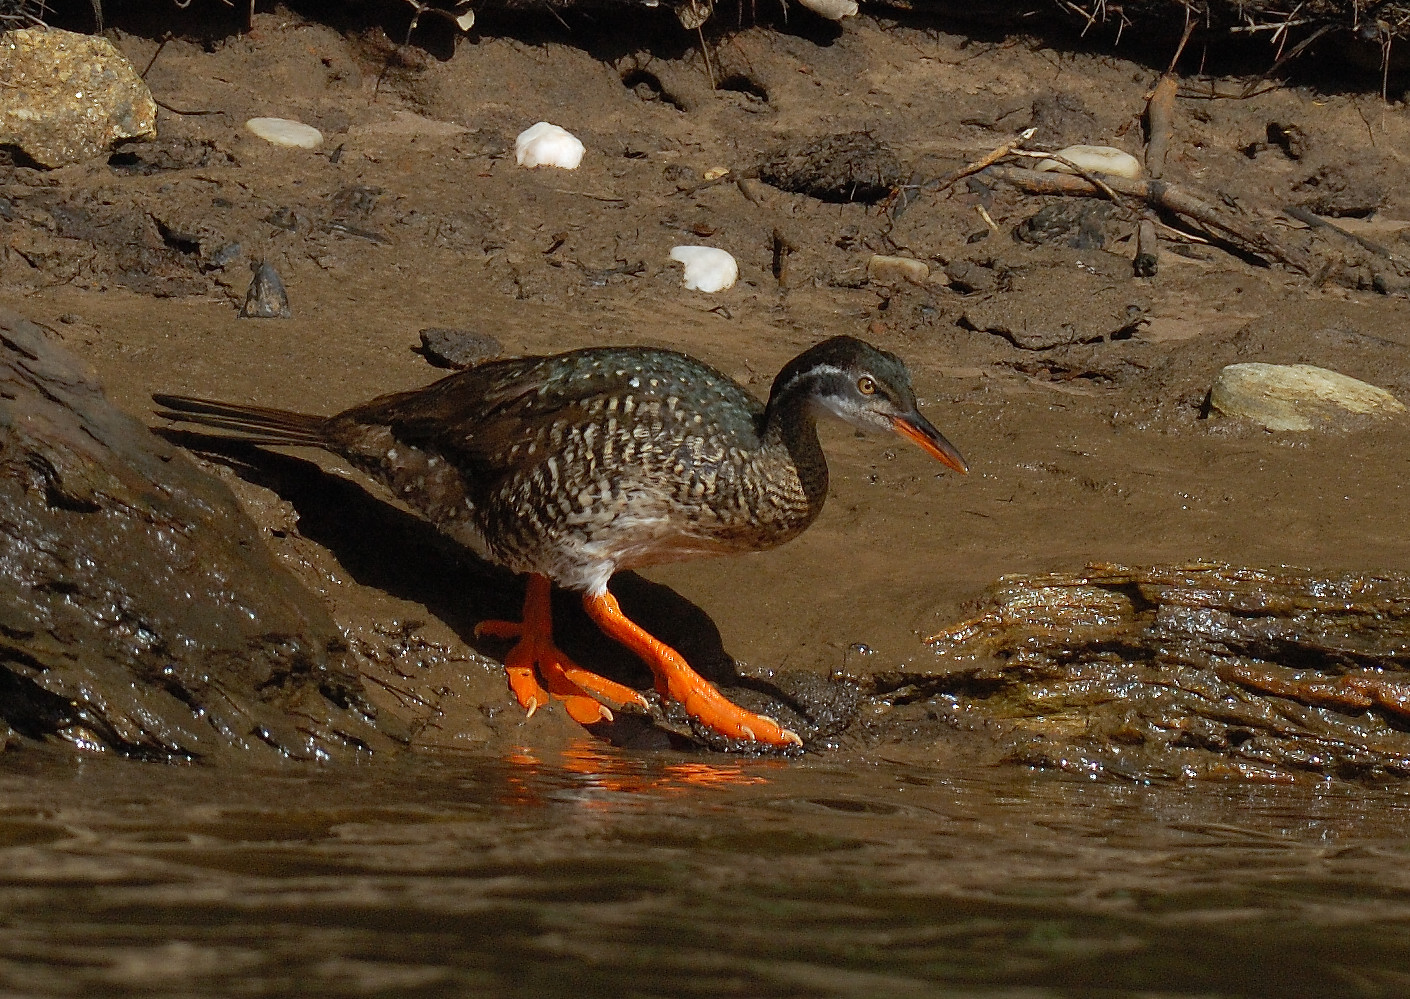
(414, 215)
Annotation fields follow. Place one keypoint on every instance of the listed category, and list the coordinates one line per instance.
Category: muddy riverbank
(928, 843)
(413, 215)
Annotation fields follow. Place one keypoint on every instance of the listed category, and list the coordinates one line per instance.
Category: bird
(575, 466)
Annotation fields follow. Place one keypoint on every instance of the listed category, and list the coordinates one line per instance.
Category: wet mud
(142, 613)
(1120, 780)
(1076, 389)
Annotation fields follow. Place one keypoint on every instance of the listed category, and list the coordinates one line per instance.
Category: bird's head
(864, 386)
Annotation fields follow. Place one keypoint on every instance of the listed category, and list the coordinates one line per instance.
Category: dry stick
(1160, 116)
(705, 51)
(1147, 261)
(987, 160)
(1317, 222)
(1163, 195)
(1090, 176)
(1296, 51)
(1160, 126)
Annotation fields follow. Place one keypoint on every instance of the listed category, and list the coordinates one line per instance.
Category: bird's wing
(475, 417)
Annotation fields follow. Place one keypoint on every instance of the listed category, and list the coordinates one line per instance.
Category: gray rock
(266, 297)
(67, 97)
(1297, 396)
(452, 348)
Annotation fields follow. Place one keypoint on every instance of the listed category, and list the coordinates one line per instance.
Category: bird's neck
(790, 424)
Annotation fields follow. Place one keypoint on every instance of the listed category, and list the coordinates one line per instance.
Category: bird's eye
(866, 385)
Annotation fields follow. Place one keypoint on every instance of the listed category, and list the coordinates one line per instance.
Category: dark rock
(968, 276)
(854, 166)
(1334, 192)
(1063, 118)
(266, 298)
(223, 256)
(139, 611)
(451, 348)
(1075, 223)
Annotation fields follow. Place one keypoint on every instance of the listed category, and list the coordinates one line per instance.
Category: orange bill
(931, 441)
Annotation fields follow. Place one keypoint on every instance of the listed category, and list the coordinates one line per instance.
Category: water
(594, 872)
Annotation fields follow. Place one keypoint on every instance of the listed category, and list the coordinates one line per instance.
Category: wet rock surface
(1185, 670)
(139, 610)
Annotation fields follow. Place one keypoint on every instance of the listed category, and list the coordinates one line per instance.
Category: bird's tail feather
(249, 424)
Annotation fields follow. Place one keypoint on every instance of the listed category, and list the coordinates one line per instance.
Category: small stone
(223, 256)
(1095, 159)
(1296, 396)
(66, 98)
(716, 172)
(894, 270)
(756, 191)
(835, 10)
(284, 132)
(452, 348)
(545, 144)
(968, 277)
(707, 268)
(266, 298)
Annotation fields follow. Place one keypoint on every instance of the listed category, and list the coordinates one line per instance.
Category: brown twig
(1160, 124)
(1147, 261)
(1283, 60)
(1163, 195)
(705, 51)
(987, 160)
(1090, 176)
(1160, 118)
(1184, 40)
(1317, 222)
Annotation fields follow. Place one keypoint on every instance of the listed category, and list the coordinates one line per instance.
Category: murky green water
(593, 872)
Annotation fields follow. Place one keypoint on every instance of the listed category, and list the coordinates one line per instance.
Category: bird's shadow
(383, 546)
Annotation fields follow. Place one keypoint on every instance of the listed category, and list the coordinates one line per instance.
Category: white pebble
(548, 145)
(706, 268)
(283, 132)
(1097, 159)
(834, 9)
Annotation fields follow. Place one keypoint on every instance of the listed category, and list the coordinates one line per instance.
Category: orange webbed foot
(538, 670)
(676, 680)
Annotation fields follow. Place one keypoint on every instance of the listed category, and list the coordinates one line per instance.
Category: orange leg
(535, 658)
(676, 680)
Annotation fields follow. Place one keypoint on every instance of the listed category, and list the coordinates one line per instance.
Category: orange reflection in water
(603, 769)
